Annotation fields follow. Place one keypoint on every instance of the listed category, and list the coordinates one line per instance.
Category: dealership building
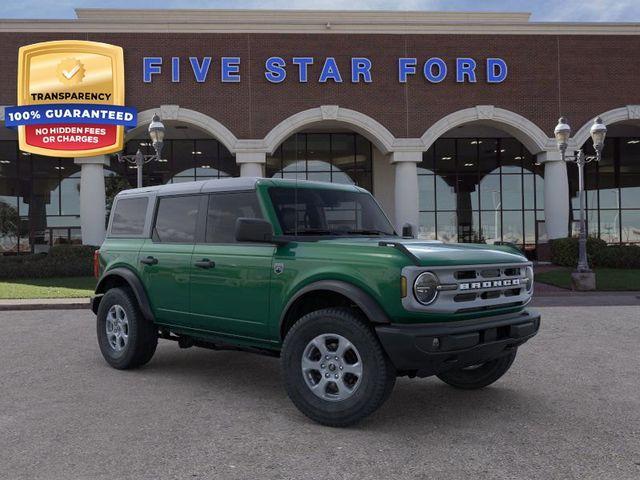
(447, 118)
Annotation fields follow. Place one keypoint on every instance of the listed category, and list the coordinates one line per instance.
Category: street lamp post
(156, 133)
(562, 133)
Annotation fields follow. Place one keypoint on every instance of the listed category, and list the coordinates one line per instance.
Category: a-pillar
(556, 194)
(92, 199)
(251, 163)
(406, 189)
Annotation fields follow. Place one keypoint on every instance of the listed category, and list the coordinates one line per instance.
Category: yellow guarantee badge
(71, 99)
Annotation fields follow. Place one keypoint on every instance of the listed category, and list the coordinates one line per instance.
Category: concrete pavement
(569, 408)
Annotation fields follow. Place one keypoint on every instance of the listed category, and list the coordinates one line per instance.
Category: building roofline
(310, 21)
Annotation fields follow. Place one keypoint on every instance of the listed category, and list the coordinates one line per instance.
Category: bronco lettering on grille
(489, 284)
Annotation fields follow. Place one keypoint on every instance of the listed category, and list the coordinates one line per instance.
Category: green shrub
(564, 252)
(618, 256)
(61, 261)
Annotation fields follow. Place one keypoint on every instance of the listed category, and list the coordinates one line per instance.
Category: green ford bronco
(313, 273)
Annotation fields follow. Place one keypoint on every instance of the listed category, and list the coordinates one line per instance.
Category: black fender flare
(363, 300)
(134, 283)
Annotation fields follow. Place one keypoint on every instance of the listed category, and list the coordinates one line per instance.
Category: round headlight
(529, 276)
(425, 288)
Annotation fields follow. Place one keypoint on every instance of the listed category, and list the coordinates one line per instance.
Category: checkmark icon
(71, 73)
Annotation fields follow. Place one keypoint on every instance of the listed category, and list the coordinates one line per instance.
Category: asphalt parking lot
(569, 408)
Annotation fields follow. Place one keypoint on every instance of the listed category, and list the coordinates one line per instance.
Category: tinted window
(128, 216)
(176, 219)
(224, 210)
(317, 211)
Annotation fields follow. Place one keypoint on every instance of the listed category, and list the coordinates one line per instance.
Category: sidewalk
(544, 296)
(44, 304)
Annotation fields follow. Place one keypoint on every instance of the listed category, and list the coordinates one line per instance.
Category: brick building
(447, 118)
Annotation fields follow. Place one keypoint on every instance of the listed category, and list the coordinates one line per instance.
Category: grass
(69, 287)
(607, 279)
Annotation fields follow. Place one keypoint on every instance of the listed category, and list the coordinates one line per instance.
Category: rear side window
(176, 219)
(129, 215)
(224, 209)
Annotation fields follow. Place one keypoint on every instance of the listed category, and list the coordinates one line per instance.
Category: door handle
(149, 260)
(205, 263)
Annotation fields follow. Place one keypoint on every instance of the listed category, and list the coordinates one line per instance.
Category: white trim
(200, 120)
(358, 122)
(310, 21)
(531, 136)
(629, 112)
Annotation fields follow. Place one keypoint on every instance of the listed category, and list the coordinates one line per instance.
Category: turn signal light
(403, 286)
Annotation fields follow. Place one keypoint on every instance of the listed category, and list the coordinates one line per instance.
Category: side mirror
(254, 230)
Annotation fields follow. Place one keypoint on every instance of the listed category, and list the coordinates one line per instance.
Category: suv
(311, 272)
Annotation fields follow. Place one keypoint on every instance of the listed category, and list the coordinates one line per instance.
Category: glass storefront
(612, 190)
(482, 190)
(326, 157)
(40, 196)
(183, 161)
(471, 189)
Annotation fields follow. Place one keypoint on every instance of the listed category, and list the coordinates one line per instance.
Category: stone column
(406, 189)
(251, 163)
(556, 194)
(92, 199)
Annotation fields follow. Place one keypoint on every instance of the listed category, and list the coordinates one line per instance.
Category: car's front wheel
(126, 338)
(335, 369)
(478, 376)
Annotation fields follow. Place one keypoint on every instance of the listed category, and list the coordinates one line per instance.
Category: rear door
(165, 258)
(230, 281)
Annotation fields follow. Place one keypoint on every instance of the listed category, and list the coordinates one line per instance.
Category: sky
(542, 10)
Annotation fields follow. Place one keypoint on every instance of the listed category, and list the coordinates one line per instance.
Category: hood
(433, 253)
(444, 254)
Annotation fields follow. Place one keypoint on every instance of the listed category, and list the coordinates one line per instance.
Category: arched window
(327, 157)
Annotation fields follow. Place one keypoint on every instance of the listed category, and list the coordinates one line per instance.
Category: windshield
(317, 211)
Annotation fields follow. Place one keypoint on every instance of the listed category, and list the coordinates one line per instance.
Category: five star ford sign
(70, 99)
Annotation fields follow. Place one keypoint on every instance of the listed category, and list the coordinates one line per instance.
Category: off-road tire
(142, 334)
(378, 373)
(481, 376)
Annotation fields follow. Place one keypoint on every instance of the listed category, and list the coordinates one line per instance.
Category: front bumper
(428, 349)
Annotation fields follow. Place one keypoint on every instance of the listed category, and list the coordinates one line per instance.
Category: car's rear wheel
(335, 369)
(478, 376)
(126, 338)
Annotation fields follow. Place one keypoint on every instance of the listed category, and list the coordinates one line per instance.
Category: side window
(176, 219)
(224, 209)
(129, 215)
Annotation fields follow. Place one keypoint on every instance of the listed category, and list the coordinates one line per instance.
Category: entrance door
(165, 259)
(230, 281)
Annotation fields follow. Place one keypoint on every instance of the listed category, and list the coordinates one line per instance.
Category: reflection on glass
(445, 195)
(447, 226)
(492, 225)
(427, 228)
(630, 226)
(512, 192)
(610, 225)
(328, 157)
(512, 230)
(426, 192)
(490, 198)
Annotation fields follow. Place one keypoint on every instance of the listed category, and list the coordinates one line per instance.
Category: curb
(45, 304)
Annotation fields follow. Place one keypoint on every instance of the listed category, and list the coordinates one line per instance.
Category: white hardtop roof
(225, 185)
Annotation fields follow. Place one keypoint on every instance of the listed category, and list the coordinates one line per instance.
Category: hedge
(564, 252)
(61, 261)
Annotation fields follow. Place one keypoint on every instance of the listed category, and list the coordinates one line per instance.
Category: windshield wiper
(369, 232)
(312, 231)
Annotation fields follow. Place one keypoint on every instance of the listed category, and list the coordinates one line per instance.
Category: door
(230, 281)
(165, 258)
